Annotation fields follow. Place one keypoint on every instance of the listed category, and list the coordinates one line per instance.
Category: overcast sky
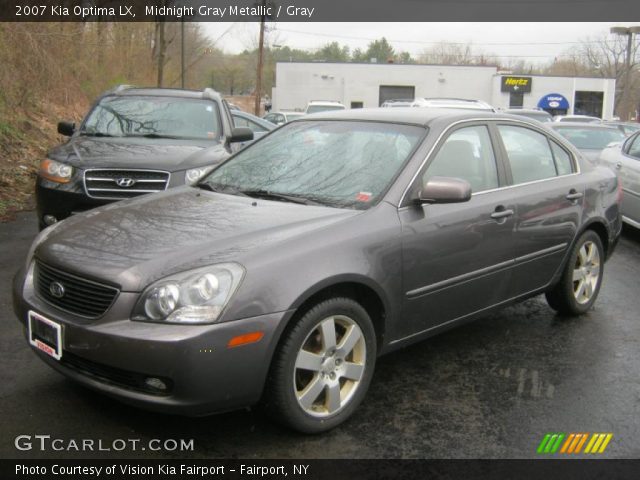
(535, 42)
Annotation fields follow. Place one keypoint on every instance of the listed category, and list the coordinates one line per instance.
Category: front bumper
(62, 200)
(205, 375)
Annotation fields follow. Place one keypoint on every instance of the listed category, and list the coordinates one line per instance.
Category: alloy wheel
(586, 272)
(329, 366)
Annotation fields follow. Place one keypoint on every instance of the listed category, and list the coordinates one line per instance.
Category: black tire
(281, 400)
(562, 296)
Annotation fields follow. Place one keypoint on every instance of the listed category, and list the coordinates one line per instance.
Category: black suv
(135, 141)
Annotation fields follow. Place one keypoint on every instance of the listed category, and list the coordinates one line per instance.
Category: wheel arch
(357, 287)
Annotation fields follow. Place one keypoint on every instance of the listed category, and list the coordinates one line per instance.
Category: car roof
(324, 102)
(410, 115)
(601, 126)
(127, 90)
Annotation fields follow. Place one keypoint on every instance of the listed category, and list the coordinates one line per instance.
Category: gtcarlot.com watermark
(45, 443)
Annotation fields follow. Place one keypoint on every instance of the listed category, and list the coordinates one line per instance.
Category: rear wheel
(323, 367)
(579, 286)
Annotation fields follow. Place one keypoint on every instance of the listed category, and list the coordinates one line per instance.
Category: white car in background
(282, 117)
(463, 103)
(316, 106)
(577, 118)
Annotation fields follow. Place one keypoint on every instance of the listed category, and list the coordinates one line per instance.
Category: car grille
(81, 297)
(115, 376)
(117, 184)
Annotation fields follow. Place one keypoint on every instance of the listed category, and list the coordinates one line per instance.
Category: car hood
(134, 242)
(166, 154)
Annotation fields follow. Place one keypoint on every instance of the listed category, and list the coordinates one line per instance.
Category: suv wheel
(578, 288)
(323, 367)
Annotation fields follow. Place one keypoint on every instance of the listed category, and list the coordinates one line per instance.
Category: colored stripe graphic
(551, 442)
(572, 443)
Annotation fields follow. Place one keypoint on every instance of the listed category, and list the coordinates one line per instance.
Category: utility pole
(182, 69)
(263, 16)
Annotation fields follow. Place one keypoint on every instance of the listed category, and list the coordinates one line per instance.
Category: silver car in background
(624, 159)
(589, 138)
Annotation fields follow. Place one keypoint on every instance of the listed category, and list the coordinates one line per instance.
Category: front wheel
(323, 367)
(580, 283)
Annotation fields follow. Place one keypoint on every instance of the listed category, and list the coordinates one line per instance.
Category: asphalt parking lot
(490, 389)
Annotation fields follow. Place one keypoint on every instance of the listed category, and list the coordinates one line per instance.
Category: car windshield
(591, 138)
(150, 116)
(323, 108)
(337, 163)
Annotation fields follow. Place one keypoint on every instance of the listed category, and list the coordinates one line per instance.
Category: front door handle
(501, 212)
(574, 195)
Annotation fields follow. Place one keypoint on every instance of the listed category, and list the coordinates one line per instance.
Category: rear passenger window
(562, 158)
(529, 154)
(467, 154)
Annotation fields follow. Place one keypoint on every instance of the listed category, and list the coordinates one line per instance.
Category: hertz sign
(516, 84)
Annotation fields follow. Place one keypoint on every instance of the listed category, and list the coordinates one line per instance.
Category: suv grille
(117, 184)
(82, 297)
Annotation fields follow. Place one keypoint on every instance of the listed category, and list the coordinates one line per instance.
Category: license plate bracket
(45, 335)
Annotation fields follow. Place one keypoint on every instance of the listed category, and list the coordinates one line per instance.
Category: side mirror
(445, 190)
(66, 128)
(241, 134)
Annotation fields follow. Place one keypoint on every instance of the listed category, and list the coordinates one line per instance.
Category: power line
(423, 42)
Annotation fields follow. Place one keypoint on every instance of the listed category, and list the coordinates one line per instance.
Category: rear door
(457, 257)
(546, 187)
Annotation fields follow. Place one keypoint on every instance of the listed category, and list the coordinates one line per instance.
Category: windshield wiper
(155, 135)
(220, 189)
(95, 134)
(267, 195)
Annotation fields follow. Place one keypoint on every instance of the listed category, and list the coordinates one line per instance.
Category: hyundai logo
(56, 289)
(125, 182)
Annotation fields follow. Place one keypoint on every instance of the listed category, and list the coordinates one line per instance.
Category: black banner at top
(319, 10)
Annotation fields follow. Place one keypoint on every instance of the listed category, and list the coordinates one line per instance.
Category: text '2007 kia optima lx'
(281, 277)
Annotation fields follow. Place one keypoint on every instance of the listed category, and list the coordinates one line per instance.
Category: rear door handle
(502, 213)
(573, 195)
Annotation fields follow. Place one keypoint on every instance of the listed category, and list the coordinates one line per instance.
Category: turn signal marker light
(245, 339)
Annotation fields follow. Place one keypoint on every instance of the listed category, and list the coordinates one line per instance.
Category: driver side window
(467, 154)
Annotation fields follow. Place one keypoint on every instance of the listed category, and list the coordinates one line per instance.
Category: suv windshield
(159, 117)
(337, 163)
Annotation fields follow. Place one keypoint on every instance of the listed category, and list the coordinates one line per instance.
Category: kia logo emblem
(125, 182)
(56, 289)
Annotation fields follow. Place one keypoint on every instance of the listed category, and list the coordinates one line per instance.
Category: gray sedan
(625, 160)
(282, 276)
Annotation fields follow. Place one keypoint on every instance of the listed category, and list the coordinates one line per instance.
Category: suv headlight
(192, 297)
(55, 171)
(192, 175)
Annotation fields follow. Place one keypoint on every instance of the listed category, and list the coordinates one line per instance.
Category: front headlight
(55, 171)
(192, 176)
(192, 297)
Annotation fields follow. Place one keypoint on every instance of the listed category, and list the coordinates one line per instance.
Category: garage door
(396, 92)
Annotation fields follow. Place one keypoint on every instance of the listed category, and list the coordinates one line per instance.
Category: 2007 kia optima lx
(339, 237)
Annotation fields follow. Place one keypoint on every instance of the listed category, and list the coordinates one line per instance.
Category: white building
(358, 85)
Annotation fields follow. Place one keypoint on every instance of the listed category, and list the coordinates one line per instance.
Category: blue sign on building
(553, 101)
